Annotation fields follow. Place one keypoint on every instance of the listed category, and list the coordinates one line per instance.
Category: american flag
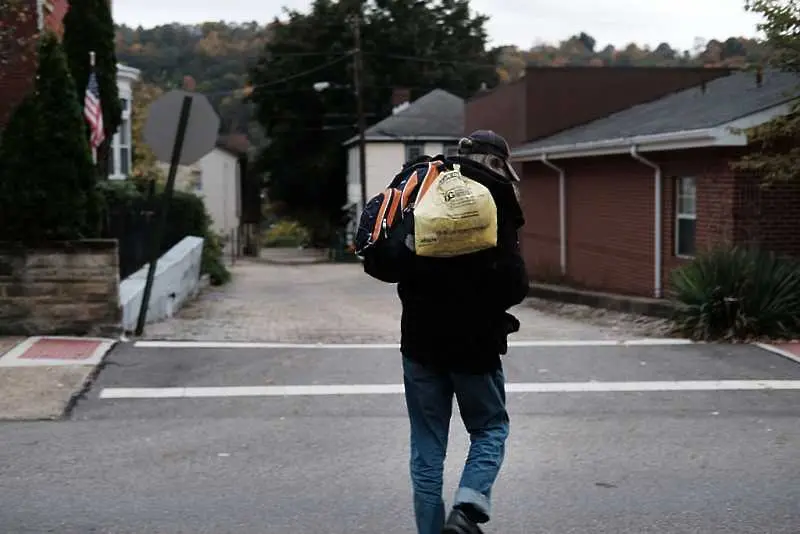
(94, 113)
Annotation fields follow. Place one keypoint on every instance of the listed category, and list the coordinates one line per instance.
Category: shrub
(733, 293)
(286, 233)
(47, 179)
(128, 221)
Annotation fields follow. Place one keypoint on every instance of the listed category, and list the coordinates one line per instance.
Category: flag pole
(91, 67)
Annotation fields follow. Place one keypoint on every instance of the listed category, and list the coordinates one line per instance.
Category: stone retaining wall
(69, 288)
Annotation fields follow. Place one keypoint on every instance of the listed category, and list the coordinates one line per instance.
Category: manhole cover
(61, 349)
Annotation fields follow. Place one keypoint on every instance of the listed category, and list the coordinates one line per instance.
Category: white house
(432, 124)
(216, 178)
(119, 159)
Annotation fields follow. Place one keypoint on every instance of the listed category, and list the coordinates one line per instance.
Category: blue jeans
(482, 404)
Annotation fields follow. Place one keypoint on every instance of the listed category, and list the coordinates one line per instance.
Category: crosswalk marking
(653, 342)
(394, 389)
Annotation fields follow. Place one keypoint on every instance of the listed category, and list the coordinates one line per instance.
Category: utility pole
(358, 86)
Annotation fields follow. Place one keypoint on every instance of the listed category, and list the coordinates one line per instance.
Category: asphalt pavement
(594, 447)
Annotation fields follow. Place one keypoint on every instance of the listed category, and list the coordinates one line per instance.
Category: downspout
(657, 253)
(562, 210)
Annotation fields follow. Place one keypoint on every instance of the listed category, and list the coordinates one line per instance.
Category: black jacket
(455, 309)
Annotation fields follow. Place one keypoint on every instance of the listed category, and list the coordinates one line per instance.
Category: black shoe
(459, 523)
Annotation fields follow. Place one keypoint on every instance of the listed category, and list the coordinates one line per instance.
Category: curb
(780, 352)
(62, 398)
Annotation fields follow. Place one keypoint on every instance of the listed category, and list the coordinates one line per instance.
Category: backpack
(457, 216)
(384, 238)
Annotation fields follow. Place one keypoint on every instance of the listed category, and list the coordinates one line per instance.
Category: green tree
(776, 154)
(47, 186)
(416, 45)
(88, 27)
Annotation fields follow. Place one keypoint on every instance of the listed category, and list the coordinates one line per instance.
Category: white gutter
(718, 136)
(562, 210)
(657, 253)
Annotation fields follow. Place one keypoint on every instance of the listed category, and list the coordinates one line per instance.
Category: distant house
(616, 203)
(432, 124)
(121, 149)
(218, 178)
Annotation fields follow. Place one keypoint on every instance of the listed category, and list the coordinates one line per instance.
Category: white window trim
(684, 216)
(407, 146)
(116, 146)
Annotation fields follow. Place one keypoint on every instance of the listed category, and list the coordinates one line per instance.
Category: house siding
(384, 161)
(610, 217)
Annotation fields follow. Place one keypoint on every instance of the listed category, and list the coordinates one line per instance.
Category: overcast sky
(518, 22)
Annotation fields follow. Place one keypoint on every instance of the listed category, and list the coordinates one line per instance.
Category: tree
(145, 165)
(88, 27)
(417, 45)
(47, 185)
(776, 154)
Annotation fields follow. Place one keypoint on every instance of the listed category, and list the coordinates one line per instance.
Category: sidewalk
(41, 377)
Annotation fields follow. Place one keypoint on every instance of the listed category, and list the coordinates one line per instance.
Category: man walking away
(454, 330)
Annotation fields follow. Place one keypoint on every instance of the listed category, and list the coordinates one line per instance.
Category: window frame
(117, 146)
(680, 215)
(450, 148)
(410, 146)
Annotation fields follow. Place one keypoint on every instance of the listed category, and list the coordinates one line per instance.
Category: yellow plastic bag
(455, 216)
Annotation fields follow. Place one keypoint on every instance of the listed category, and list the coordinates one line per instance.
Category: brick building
(18, 63)
(18, 69)
(626, 171)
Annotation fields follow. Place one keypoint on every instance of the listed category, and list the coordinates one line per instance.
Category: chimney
(400, 96)
(759, 76)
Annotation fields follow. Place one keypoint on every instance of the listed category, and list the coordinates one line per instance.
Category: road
(674, 461)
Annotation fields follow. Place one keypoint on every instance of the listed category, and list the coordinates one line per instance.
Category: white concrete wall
(176, 280)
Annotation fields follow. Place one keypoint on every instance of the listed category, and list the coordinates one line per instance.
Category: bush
(286, 233)
(732, 293)
(130, 218)
(47, 178)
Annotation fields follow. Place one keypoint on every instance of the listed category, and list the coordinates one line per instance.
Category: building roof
(434, 116)
(698, 109)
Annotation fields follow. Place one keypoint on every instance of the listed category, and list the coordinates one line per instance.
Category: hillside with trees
(219, 55)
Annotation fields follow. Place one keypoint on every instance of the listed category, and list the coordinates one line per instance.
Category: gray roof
(724, 100)
(435, 115)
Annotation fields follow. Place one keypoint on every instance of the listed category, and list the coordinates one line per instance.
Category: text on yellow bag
(453, 215)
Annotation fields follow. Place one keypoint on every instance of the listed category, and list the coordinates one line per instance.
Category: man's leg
(482, 403)
(429, 398)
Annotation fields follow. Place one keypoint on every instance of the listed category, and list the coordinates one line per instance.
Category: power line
(422, 59)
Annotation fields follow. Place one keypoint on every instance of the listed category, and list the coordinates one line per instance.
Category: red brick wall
(19, 67)
(16, 76)
(609, 224)
(54, 15)
(501, 110)
(768, 216)
(610, 217)
(540, 238)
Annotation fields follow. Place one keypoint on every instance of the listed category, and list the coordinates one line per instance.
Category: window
(119, 158)
(685, 217)
(451, 150)
(413, 151)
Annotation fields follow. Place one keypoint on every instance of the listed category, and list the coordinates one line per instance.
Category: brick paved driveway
(325, 303)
